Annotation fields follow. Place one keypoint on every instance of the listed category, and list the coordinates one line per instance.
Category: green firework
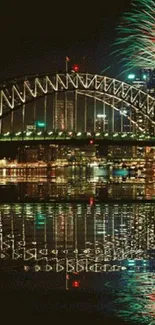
(136, 36)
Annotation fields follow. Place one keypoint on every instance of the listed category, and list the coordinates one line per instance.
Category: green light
(40, 124)
(131, 76)
(144, 76)
(40, 220)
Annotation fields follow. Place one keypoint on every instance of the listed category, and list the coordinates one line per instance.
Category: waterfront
(82, 229)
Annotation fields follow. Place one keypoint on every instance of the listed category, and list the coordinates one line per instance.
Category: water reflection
(79, 191)
(79, 183)
(84, 232)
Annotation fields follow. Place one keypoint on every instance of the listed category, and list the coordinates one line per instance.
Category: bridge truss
(114, 243)
(78, 102)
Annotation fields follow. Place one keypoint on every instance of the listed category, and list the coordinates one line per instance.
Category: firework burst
(136, 36)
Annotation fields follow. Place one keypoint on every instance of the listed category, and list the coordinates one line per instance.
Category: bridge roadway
(79, 139)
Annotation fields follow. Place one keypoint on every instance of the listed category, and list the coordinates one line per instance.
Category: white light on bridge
(18, 133)
(88, 133)
(98, 134)
(60, 133)
(70, 133)
(101, 115)
(51, 132)
(123, 112)
(79, 134)
(28, 133)
(5, 134)
(39, 133)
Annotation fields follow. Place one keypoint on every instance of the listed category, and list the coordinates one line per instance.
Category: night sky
(36, 38)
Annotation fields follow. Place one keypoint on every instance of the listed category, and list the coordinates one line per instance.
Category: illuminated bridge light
(106, 134)
(28, 133)
(51, 132)
(5, 134)
(124, 112)
(115, 135)
(18, 133)
(70, 133)
(101, 115)
(39, 133)
(135, 101)
(60, 133)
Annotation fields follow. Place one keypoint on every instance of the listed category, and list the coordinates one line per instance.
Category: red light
(76, 67)
(91, 142)
(76, 284)
(91, 201)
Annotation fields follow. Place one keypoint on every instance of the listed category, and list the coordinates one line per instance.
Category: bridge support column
(103, 113)
(66, 124)
(11, 122)
(130, 126)
(34, 113)
(55, 114)
(85, 115)
(121, 123)
(94, 114)
(75, 111)
(23, 118)
(45, 112)
(113, 117)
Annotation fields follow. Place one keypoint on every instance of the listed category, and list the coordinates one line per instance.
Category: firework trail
(136, 36)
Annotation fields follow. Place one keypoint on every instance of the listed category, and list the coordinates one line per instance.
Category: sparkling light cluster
(136, 36)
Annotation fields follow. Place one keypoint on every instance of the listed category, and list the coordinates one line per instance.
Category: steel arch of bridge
(15, 93)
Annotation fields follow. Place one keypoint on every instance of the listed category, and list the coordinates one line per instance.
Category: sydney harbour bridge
(67, 107)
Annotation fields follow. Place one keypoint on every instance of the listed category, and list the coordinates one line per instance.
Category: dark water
(81, 232)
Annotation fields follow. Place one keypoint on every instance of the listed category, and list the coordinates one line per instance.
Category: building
(64, 115)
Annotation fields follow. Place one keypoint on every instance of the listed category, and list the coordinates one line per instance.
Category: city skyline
(77, 165)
